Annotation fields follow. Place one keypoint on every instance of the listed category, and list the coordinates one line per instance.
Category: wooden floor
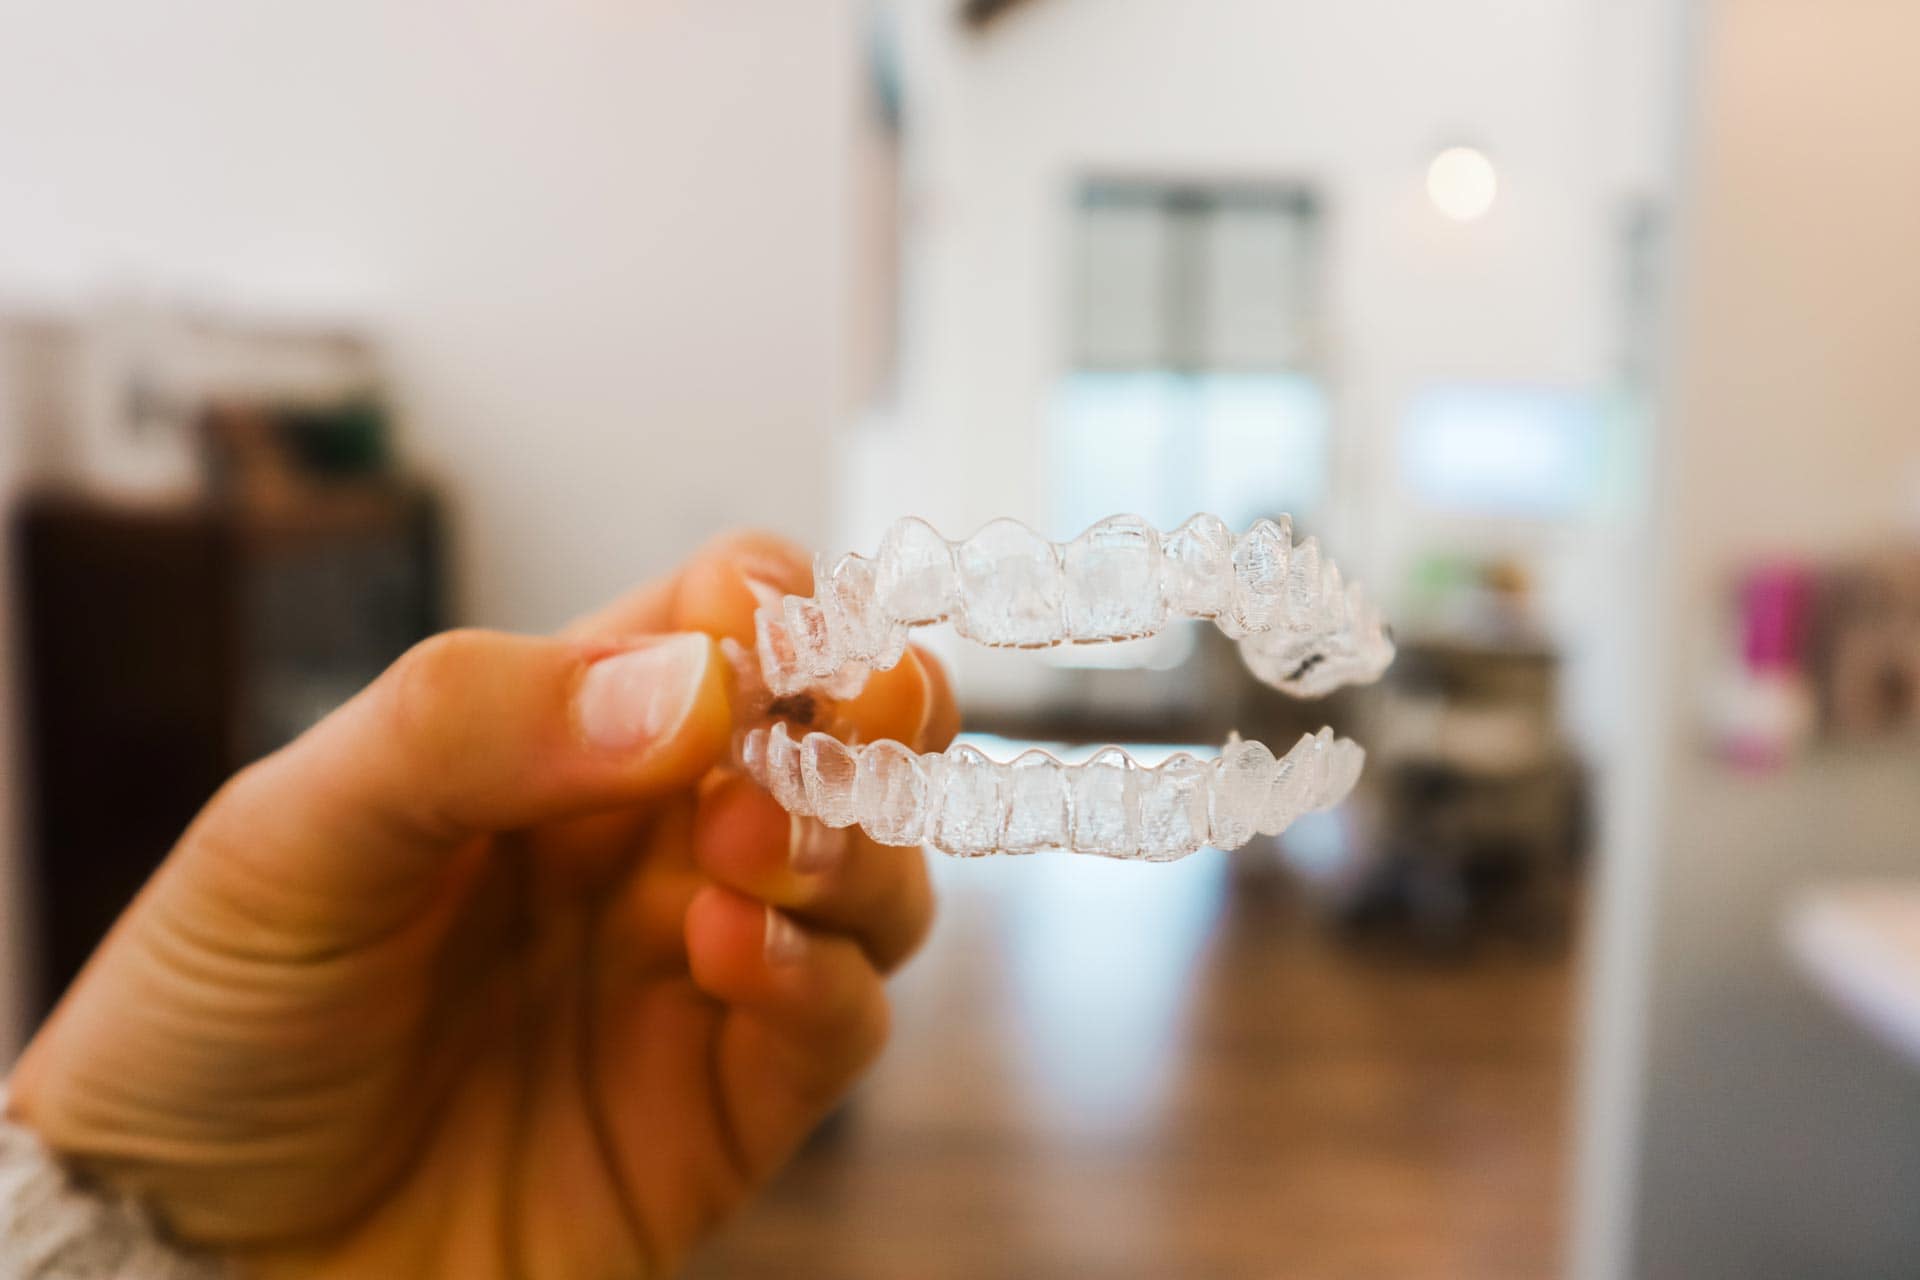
(1112, 1070)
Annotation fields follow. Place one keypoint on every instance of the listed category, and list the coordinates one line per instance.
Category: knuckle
(434, 667)
(429, 683)
(762, 554)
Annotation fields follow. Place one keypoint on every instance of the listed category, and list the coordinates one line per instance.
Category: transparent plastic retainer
(1299, 629)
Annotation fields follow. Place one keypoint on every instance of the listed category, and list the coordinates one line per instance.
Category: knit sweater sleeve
(53, 1226)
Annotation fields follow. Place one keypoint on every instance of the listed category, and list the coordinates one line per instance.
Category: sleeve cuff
(55, 1227)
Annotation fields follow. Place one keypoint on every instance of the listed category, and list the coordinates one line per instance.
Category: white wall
(1735, 1125)
(1569, 97)
(1009, 121)
(607, 240)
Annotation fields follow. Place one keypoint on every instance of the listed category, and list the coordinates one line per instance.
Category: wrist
(56, 1226)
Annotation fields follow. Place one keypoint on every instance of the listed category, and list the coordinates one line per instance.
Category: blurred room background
(1584, 331)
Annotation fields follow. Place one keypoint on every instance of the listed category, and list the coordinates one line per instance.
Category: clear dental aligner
(1300, 628)
(965, 804)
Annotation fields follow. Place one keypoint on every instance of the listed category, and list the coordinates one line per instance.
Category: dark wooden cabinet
(163, 648)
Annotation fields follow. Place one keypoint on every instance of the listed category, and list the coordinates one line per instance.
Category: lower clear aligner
(965, 804)
(1300, 627)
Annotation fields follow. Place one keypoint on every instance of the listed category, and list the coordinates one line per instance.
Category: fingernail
(639, 697)
(786, 942)
(813, 847)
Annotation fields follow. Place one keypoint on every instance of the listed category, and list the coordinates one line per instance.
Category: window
(1164, 445)
(1501, 450)
(1193, 384)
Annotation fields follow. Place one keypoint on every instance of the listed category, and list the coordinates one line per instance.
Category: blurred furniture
(1860, 944)
(978, 13)
(151, 401)
(1206, 694)
(1865, 647)
(166, 646)
(1482, 802)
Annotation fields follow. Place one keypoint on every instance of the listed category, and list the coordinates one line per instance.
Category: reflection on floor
(1105, 1069)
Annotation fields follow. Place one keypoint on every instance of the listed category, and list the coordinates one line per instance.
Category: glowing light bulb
(1462, 183)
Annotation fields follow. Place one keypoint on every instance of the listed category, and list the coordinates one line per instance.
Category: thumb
(472, 732)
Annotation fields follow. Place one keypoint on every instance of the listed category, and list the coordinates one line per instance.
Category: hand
(496, 971)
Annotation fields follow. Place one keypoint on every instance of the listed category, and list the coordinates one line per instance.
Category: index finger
(715, 591)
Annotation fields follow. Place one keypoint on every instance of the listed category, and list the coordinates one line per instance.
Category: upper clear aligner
(966, 804)
(1300, 628)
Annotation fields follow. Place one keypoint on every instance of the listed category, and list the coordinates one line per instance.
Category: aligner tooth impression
(1299, 626)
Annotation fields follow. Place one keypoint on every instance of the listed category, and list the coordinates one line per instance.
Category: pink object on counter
(1775, 600)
